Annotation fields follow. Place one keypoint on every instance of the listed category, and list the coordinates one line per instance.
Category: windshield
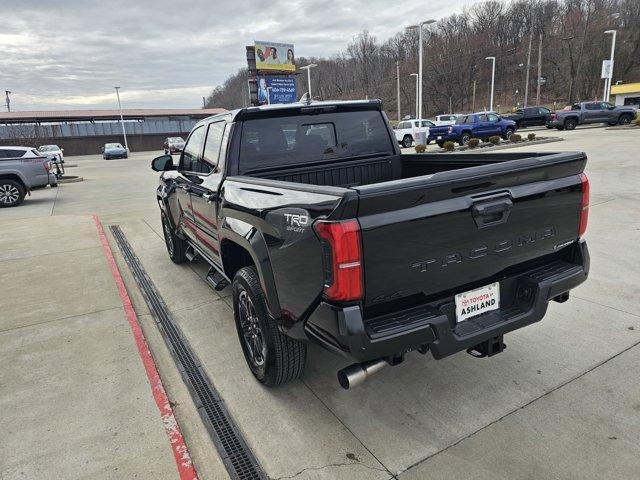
(113, 145)
(176, 140)
(48, 148)
(299, 139)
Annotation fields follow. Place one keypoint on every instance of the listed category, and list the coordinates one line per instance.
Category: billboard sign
(278, 89)
(275, 56)
(607, 68)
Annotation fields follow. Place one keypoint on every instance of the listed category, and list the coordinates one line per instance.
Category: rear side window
(307, 138)
(592, 106)
(12, 153)
(214, 140)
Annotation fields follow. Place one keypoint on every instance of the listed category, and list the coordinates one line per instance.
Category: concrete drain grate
(236, 455)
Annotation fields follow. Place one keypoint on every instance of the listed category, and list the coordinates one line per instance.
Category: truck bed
(370, 171)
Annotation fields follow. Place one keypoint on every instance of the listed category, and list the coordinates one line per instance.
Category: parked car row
(22, 169)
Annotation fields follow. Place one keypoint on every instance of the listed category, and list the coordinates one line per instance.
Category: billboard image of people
(275, 56)
(273, 89)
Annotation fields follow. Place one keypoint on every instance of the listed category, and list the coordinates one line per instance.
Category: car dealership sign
(277, 89)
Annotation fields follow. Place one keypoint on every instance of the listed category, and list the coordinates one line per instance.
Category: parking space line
(186, 470)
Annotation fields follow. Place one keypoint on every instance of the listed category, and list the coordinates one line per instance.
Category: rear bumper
(444, 137)
(524, 300)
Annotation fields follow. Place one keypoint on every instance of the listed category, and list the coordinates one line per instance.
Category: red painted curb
(186, 470)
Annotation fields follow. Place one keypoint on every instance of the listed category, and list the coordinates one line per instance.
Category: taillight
(554, 116)
(342, 258)
(47, 166)
(584, 212)
(450, 129)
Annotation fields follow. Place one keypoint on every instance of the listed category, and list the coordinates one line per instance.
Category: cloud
(71, 53)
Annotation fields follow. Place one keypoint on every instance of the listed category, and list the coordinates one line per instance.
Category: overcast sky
(70, 54)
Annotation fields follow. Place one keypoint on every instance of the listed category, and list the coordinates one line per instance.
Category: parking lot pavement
(560, 402)
(74, 396)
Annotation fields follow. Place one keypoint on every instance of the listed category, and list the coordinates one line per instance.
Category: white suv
(449, 119)
(407, 129)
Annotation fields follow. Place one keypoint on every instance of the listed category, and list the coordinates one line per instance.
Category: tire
(272, 357)
(176, 246)
(550, 127)
(507, 133)
(11, 193)
(464, 138)
(407, 141)
(165, 152)
(428, 141)
(624, 120)
(440, 143)
(570, 124)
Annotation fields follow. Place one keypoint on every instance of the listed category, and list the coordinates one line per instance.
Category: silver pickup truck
(21, 169)
(591, 112)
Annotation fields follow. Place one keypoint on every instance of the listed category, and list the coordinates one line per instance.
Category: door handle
(487, 214)
(208, 197)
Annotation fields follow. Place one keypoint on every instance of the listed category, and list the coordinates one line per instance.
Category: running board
(216, 279)
(191, 254)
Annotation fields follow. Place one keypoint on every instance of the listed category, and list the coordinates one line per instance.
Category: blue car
(114, 150)
(473, 125)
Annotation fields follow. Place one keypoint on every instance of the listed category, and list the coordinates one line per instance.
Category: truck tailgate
(444, 233)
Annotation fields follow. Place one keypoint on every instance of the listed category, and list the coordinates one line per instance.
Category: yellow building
(626, 94)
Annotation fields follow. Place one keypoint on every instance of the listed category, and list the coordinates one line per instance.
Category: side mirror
(102, 149)
(162, 163)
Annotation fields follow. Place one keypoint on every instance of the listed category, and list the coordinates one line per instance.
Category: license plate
(476, 302)
(439, 137)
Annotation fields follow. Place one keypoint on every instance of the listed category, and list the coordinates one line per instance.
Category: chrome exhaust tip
(357, 373)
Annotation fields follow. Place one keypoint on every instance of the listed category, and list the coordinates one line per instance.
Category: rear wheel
(176, 246)
(11, 193)
(272, 357)
(440, 143)
(624, 120)
(464, 138)
(570, 124)
(407, 141)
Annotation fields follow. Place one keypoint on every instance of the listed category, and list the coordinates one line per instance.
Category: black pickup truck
(328, 234)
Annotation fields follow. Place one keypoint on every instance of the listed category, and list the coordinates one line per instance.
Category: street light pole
(526, 84)
(124, 133)
(493, 78)
(398, 87)
(7, 93)
(607, 81)
(473, 102)
(417, 77)
(420, 48)
(308, 69)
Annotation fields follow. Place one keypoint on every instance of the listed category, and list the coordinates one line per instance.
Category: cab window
(190, 160)
(492, 117)
(213, 142)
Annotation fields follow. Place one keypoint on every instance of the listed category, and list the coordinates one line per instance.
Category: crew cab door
(482, 128)
(205, 195)
(186, 179)
(494, 124)
(593, 112)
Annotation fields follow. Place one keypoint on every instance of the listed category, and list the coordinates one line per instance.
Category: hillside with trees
(573, 47)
